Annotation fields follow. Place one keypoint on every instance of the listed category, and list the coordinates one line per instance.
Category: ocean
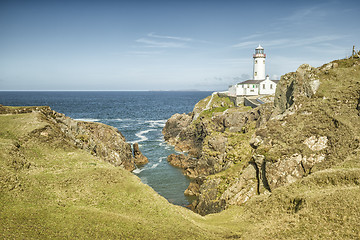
(140, 117)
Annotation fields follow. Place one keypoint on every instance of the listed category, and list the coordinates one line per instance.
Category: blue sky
(166, 45)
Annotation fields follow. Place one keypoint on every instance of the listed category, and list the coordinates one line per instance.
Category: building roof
(251, 82)
(259, 47)
(275, 81)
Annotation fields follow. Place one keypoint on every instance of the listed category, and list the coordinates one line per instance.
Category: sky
(166, 45)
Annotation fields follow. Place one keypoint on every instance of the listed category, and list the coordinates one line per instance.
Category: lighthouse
(260, 84)
(259, 63)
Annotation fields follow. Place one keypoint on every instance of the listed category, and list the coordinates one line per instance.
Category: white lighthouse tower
(259, 63)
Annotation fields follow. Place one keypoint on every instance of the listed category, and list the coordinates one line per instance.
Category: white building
(259, 85)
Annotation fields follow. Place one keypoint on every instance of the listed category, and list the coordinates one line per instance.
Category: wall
(267, 89)
(250, 90)
(259, 67)
(248, 102)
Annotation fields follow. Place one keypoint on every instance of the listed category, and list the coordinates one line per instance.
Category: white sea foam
(160, 139)
(141, 136)
(138, 170)
(124, 120)
(154, 166)
(165, 145)
(88, 119)
(157, 123)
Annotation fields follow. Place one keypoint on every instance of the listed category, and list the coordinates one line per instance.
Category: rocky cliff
(237, 153)
(100, 140)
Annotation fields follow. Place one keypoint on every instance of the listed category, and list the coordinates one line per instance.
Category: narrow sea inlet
(139, 116)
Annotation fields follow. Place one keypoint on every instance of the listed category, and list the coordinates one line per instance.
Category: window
(270, 86)
(255, 61)
(242, 86)
(252, 90)
(263, 61)
(253, 86)
(248, 86)
(263, 86)
(255, 74)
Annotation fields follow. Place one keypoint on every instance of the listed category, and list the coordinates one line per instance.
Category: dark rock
(174, 125)
(208, 201)
(139, 158)
(194, 187)
(302, 83)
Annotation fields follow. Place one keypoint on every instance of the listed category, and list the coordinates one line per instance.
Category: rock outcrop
(237, 153)
(174, 125)
(100, 140)
(139, 158)
(302, 83)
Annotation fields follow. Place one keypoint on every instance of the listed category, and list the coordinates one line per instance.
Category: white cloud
(160, 44)
(256, 35)
(300, 14)
(287, 42)
(245, 44)
(171, 37)
(305, 14)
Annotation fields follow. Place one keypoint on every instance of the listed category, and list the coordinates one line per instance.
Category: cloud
(287, 42)
(160, 44)
(153, 35)
(153, 40)
(300, 14)
(256, 35)
(245, 44)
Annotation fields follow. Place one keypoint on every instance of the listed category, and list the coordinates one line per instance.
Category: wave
(141, 136)
(138, 170)
(125, 120)
(165, 145)
(88, 119)
(154, 166)
(157, 123)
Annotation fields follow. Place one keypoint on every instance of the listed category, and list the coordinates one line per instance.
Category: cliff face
(237, 153)
(100, 140)
(216, 136)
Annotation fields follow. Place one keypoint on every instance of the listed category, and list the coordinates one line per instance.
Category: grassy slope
(49, 191)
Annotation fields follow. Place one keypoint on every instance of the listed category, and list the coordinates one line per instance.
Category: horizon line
(185, 90)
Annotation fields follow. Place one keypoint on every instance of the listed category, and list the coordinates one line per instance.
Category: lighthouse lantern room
(259, 63)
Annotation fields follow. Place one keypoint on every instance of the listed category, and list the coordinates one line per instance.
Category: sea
(139, 115)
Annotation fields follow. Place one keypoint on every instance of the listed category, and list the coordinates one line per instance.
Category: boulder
(139, 158)
(302, 83)
(174, 126)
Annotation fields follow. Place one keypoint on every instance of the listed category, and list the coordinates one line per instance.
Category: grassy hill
(50, 189)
